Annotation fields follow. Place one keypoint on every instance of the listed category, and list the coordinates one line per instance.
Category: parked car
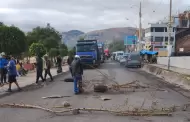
(134, 60)
(118, 54)
(123, 59)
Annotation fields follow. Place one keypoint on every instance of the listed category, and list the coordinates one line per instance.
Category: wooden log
(100, 88)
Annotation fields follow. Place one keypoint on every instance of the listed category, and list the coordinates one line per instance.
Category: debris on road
(68, 80)
(104, 98)
(66, 104)
(74, 111)
(55, 96)
(100, 88)
(104, 88)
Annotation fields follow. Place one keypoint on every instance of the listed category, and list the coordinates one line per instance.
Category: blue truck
(101, 50)
(88, 52)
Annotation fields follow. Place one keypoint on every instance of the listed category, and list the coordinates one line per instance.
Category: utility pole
(170, 30)
(140, 28)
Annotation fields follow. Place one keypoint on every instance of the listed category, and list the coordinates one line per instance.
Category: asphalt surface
(126, 99)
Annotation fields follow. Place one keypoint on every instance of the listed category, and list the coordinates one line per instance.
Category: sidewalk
(177, 76)
(30, 79)
(174, 69)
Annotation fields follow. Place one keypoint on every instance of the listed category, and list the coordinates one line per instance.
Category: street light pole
(140, 28)
(169, 34)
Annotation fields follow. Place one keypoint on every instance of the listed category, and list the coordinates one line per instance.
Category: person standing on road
(47, 67)
(77, 71)
(69, 61)
(3, 69)
(12, 73)
(39, 69)
(59, 64)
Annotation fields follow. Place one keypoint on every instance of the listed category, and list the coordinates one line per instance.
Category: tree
(37, 49)
(63, 50)
(53, 52)
(117, 46)
(48, 36)
(72, 52)
(12, 40)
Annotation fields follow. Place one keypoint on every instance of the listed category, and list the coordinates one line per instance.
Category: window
(159, 39)
(160, 47)
(159, 29)
(152, 29)
(86, 48)
(184, 23)
(172, 39)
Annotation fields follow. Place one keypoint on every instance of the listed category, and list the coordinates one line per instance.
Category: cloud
(85, 15)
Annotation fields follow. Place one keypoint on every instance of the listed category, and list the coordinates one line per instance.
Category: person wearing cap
(3, 69)
(77, 72)
(47, 67)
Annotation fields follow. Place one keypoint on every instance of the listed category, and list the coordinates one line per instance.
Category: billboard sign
(130, 40)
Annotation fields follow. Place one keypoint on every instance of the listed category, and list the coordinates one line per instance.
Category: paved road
(90, 99)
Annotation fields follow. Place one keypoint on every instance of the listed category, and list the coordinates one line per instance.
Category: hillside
(111, 33)
(70, 37)
(108, 35)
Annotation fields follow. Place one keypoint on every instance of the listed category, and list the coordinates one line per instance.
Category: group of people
(8, 66)
(45, 64)
(76, 70)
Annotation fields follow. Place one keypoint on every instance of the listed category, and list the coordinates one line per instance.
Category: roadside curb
(177, 79)
(4, 94)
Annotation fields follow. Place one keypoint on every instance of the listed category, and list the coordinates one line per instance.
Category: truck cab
(88, 52)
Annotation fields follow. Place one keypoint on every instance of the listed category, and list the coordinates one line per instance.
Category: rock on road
(167, 97)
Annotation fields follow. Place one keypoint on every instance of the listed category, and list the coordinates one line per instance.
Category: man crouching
(77, 72)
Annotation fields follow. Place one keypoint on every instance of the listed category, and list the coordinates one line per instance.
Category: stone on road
(89, 99)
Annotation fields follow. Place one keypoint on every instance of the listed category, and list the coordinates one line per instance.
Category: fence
(180, 62)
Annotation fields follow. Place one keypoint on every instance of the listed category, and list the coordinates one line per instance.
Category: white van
(118, 54)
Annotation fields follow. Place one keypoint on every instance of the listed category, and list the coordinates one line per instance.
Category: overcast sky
(84, 15)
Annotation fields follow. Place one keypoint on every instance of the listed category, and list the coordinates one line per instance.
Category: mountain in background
(70, 37)
(108, 35)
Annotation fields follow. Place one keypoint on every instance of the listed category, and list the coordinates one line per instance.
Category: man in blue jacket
(3, 69)
(12, 73)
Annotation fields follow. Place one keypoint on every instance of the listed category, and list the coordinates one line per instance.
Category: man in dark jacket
(47, 68)
(77, 72)
(39, 69)
(69, 61)
(59, 64)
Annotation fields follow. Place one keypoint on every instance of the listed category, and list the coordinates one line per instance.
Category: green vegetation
(40, 40)
(117, 46)
(12, 40)
(37, 49)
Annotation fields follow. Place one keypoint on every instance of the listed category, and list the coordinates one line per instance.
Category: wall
(180, 62)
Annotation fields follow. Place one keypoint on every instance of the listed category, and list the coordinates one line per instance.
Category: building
(156, 38)
(182, 36)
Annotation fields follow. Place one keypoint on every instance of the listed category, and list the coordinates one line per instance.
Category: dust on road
(119, 101)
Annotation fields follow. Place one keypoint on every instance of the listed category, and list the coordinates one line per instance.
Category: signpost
(130, 40)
